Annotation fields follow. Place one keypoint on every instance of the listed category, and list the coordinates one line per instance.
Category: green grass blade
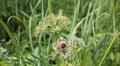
(30, 33)
(75, 17)
(108, 49)
(6, 29)
(114, 23)
(25, 14)
(17, 18)
(37, 4)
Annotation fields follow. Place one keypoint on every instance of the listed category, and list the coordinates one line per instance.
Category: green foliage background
(100, 28)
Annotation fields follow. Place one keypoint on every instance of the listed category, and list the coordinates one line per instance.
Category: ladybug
(63, 45)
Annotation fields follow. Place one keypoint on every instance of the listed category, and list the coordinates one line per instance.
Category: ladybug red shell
(63, 45)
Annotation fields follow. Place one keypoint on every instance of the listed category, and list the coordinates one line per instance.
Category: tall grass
(96, 22)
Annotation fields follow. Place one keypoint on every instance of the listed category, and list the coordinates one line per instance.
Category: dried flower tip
(78, 41)
(37, 31)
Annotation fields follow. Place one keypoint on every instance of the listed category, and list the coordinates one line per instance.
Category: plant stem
(113, 17)
(49, 7)
(108, 49)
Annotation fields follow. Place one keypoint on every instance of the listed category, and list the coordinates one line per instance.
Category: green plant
(59, 33)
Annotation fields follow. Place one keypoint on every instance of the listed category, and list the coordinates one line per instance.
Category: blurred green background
(101, 23)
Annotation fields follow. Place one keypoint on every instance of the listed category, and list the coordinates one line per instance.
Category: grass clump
(59, 33)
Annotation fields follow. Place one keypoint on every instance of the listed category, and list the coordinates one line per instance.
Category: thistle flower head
(65, 48)
(53, 24)
(62, 48)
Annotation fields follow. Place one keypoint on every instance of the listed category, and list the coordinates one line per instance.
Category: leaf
(3, 63)
(87, 60)
(6, 29)
(117, 57)
(62, 64)
(112, 56)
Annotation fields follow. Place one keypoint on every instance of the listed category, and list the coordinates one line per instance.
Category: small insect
(63, 45)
